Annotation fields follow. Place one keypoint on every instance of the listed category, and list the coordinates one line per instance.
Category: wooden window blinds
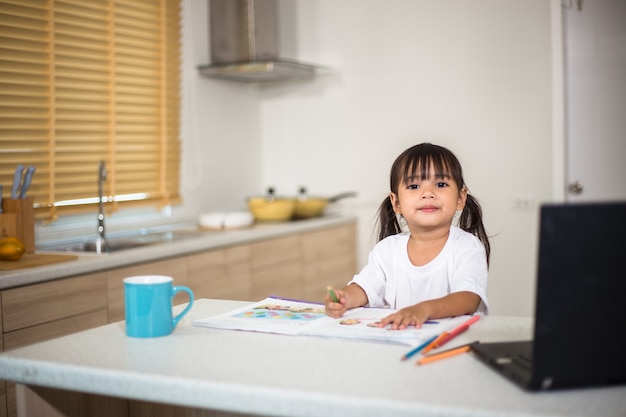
(88, 80)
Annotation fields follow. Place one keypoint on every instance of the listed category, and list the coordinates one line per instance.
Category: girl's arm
(452, 305)
(350, 296)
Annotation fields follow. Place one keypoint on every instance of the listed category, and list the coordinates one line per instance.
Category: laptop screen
(580, 311)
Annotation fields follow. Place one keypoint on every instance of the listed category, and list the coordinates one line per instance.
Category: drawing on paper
(282, 312)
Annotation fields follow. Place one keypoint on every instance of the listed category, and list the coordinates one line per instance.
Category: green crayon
(333, 296)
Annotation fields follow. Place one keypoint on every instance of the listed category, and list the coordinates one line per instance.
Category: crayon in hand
(333, 296)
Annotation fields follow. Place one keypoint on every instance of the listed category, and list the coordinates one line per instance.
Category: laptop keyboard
(523, 360)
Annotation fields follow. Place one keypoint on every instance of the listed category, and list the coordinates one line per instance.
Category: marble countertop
(278, 375)
(88, 263)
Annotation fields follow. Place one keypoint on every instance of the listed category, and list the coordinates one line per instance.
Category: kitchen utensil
(17, 180)
(307, 207)
(272, 208)
(27, 180)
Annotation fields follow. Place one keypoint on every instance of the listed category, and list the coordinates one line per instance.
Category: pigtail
(471, 221)
(387, 220)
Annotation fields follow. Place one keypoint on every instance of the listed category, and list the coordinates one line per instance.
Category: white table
(281, 375)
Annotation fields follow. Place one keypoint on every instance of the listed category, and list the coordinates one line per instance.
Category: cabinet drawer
(1, 347)
(268, 252)
(328, 243)
(223, 273)
(336, 271)
(3, 399)
(283, 280)
(54, 329)
(53, 300)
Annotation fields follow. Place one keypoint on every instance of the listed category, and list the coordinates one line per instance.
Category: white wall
(474, 76)
(220, 128)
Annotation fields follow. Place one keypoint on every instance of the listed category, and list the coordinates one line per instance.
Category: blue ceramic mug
(148, 303)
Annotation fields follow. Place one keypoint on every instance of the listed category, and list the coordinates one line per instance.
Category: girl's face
(428, 203)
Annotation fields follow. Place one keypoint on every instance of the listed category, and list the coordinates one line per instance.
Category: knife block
(18, 220)
(7, 224)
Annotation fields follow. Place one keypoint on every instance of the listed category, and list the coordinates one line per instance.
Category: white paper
(292, 317)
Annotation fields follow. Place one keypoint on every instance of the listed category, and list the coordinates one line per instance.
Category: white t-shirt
(390, 279)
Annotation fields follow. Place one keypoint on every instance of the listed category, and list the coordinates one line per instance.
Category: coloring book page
(294, 317)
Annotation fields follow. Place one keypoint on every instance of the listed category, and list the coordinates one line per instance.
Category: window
(88, 80)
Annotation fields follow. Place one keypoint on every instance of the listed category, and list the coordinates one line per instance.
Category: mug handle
(186, 310)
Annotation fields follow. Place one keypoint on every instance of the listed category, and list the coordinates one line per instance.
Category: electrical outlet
(524, 202)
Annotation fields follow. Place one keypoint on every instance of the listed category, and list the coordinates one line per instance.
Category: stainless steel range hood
(244, 44)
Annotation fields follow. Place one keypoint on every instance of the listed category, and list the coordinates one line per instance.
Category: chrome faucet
(101, 240)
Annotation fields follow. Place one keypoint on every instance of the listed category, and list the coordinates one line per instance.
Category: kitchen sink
(123, 242)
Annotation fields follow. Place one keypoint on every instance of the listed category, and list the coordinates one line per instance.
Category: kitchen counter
(267, 374)
(89, 262)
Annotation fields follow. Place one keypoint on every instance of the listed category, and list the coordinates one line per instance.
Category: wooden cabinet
(222, 273)
(298, 266)
(328, 258)
(50, 309)
(276, 268)
(47, 310)
(3, 399)
(295, 266)
(281, 279)
(3, 392)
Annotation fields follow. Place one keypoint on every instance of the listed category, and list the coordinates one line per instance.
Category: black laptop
(580, 306)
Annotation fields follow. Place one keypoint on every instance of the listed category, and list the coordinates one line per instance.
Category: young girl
(435, 269)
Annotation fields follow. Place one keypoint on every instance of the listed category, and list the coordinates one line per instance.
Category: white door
(595, 73)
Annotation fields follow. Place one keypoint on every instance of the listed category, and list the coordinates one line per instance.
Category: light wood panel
(329, 258)
(58, 328)
(3, 400)
(326, 243)
(1, 332)
(3, 392)
(223, 274)
(335, 271)
(268, 252)
(52, 300)
(49, 402)
(281, 279)
(276, 267)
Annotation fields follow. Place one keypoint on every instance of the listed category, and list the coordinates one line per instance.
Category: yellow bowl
(279, 209)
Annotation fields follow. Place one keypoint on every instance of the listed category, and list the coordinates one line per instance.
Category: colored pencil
(471, 320)
(433, 344)
(418, 349)
(452, 334)
(457, 331)
(333, 296)
(445, 354)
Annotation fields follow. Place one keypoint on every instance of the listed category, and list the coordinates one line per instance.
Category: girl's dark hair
(417, 160)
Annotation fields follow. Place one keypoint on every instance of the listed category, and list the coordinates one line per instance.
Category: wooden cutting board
(29, 260)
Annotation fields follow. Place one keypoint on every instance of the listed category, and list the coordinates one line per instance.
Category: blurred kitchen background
(482, 77)
(474, 76)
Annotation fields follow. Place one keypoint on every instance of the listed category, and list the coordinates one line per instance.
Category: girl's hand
(334, 309)
(410, 316)
(451, 305)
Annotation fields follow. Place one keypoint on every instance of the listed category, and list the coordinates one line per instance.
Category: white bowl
(225, 220)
